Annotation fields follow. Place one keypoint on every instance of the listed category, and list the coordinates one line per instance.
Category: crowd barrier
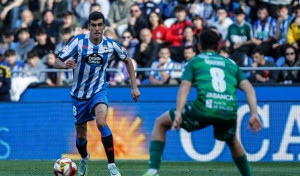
(40, 126)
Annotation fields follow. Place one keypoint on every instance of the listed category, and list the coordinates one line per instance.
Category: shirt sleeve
(240, 75)
(119, 52)
(69, 50)
(188, 72)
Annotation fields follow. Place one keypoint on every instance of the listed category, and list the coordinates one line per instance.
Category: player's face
(96, 28)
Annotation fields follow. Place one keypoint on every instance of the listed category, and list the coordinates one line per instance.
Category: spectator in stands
(198, 25)
(189, 39)
(264, 30)
(5, 83)
(111, 34)
(188, 54)
(251, 10)
(293, 36)
(291, 60)
(6, 21)
(262, 76)
(44, 45)
(12, 63)
(146, 51)
(175, 34)
(223, 22)
(204, 9)
(119, 15)
(167, 8)
(225, 52)
(239, 37)
(129, 43)
(8, 41)
(58, 7)
(33, 62)
(282, 27)
(148, 7)
(69, 21)
(53, 78)
(273, 6)
(117, 78)
(163, 61)
(51, 25)
(229, 6)
(27, 21)
(137, 21)
(82, 10)
(66, 35)
(26, 44)
(95, 7)
(158, 29)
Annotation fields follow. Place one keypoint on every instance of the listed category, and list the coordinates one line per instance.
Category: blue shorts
(83, 110)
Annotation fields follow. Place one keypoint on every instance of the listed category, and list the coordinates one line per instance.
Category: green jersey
(239, 33)
(216, 79)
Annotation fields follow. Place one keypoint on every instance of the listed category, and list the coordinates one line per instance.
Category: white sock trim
(110, 165)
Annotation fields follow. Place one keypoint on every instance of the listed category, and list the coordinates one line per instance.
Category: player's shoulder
(80, 37)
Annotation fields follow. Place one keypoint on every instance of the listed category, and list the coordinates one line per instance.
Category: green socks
(156, 150)
(243, 165)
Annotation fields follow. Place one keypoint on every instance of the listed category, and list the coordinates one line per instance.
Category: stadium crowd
(155, 33)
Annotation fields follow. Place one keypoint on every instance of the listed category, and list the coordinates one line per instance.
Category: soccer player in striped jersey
(88, 55)
(216, 79)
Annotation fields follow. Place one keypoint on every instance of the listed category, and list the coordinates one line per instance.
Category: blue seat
(280, 61)
(270, 58)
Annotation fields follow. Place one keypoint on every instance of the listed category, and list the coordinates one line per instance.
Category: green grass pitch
(136, 168)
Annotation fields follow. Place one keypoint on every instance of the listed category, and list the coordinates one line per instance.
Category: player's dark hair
(46, 11)
(257, 50)
(9, 53)
(8, 33)
(190, 47)
(96, 16)
(40, 31)
(281, 6)
(209, 39)
(164, 47)
(180, 7)
(31, 54)
(221, 8)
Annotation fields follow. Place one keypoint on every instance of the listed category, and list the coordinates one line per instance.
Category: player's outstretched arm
(254, 121)
(135, 93)
(64, 65)
(181, 100)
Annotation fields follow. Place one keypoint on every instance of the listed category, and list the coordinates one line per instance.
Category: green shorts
(193, 120)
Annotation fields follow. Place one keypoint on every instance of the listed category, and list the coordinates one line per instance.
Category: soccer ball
(65, 167)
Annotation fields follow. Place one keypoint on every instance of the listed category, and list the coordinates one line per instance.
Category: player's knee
(81, 137)
(101, 123)
(231, 142)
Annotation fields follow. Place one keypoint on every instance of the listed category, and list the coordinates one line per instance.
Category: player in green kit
(216, 79)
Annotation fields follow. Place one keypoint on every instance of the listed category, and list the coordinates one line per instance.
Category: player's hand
(177, 122)
(71, 64)
(255, 124)
(135, 93)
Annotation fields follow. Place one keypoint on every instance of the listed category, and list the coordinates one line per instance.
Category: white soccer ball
(65, 167)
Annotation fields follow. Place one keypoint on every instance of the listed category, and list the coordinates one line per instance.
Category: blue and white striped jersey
(264, 32)
(284, 27)
(89, 77)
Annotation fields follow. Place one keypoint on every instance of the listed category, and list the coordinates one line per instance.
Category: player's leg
(107, 137)
(157, 144)
(81, 140)
(239, 156)
(81, 144)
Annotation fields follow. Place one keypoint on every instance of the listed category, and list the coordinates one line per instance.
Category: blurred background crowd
(155, 34)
